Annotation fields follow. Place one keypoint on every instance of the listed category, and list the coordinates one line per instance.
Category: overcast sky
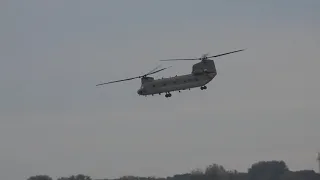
(263, 104)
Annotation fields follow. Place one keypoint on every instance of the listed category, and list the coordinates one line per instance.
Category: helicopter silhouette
(202, 73)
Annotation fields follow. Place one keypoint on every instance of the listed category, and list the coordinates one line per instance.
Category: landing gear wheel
(203, 87)
(168, 95)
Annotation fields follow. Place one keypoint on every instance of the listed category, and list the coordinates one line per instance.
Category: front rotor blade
(226, 53)
(118, 81)
(154, 69)
(157, 71)
(180, 59)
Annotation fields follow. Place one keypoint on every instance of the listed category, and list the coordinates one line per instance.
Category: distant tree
(239, 176)
(77, 177)
(290, 176)
(307, 174)
(263, 170)
(197, 172)
(215, 171)
(182, 177)
(127, 178)
(40, 177)
(267, 170)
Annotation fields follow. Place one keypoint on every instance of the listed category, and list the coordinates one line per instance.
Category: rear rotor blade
(226, 53)
(204, 56)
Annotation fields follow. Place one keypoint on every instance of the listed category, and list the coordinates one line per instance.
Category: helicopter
(202, 73)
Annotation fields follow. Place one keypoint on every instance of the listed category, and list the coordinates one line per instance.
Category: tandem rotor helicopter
(202, 73)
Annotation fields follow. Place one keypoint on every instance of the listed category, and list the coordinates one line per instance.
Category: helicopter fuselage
(177, 83)
(202, 73)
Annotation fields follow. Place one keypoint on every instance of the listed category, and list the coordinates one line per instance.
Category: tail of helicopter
(207, 66)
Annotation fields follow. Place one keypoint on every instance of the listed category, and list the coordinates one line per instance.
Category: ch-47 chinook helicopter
(202, 73)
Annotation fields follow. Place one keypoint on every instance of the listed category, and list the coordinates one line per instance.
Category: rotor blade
(180, 59)
(157, 71)
(226, 53)
(154, 69)
(119, 80)
(135, 77)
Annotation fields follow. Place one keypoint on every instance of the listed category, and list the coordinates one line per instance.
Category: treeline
(263, 170)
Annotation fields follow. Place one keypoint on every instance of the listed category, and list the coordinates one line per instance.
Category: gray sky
(262, 105)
